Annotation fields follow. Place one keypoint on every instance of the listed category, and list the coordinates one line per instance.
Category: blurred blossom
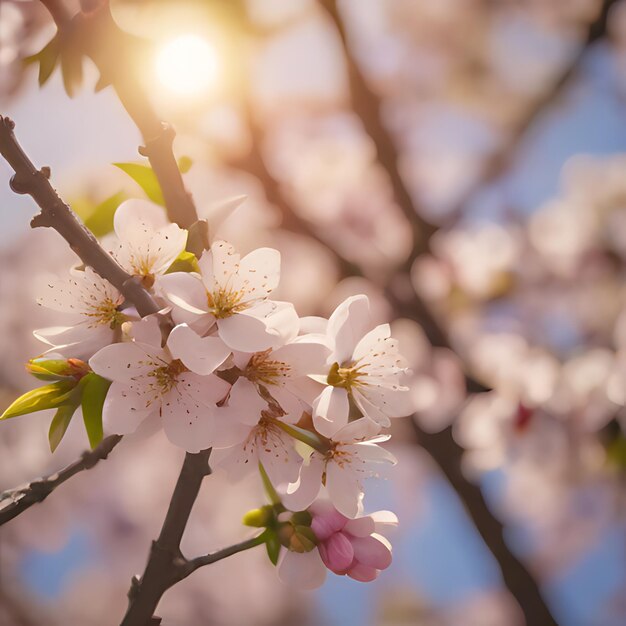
(481, 260)
(436, 380)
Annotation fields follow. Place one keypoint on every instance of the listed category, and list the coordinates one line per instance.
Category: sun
(187, 65)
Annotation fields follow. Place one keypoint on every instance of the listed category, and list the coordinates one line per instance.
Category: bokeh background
(463, 162)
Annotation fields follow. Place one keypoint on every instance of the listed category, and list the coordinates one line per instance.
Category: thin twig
(15, 501)
(500, 161)
(58, 215)
(224, 553)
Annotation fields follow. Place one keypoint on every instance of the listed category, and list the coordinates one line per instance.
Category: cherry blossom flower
(171, 383)
(248, 432)
(350, 547)
(353, 454)
(366, 368)
(92, 306)
(148, 243)
(285, 371)
(233, 293)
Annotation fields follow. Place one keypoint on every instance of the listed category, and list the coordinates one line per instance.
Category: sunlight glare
(187, 65)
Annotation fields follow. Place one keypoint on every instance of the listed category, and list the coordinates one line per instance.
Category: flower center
(261, 369)
(224, 303)
(166, 376)
(348, 376)
(106, 313)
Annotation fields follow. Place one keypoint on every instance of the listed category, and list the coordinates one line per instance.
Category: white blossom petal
(258, 274)
(124, 362)
(302, 570)
(331, 410)
(124, 409)
(304, 491)
(347, 325)
(200, 355)
(344, 489)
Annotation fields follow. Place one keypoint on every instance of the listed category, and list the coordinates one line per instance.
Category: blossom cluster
(224, 366)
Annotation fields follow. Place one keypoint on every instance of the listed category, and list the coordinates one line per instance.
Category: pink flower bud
(327, 522)
(371, 552)
(363, 573)
(337, 553)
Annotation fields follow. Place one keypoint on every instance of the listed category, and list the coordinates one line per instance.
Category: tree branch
(448, 455)
(224, 553)
(112, 50)
(501, 160)
(16, 501)
(367, 107)
(58, 215)
(166, 562)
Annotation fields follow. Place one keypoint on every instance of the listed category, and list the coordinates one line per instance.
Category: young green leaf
(145, 177)
(100, 219)
(184, 262)
(47, 397)
(94, 391)
(59, 424)
(272, 545)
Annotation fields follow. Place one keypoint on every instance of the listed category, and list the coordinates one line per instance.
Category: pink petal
(371, 552)
(363, 573)
(326, 523)
(337, 553)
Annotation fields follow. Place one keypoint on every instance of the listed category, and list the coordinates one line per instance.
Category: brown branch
(95, 34)
(166, 564)
(16, 501)
(58, 215)
(367, 106)
(448, 455)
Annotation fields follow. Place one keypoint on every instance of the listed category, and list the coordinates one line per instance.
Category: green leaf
(100, 219)
(94, 391)
(184, 262)
(272, 545)
(59, 424)
(47, 397)
(145, 177)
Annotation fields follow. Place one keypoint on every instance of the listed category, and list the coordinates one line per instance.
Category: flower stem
(305, 436)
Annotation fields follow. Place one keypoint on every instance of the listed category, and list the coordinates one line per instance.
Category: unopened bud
(259, 518)
(297, 538)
